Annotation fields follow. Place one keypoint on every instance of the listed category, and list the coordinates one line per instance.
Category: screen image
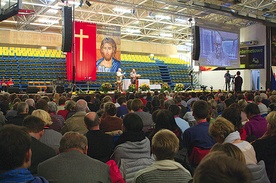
(218, 48)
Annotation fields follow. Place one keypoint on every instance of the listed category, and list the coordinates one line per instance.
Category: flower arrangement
(178, 87)
(105, 87)
(144, 87)
(131, 88)
(165, 87)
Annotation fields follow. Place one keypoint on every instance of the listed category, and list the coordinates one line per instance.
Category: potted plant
(131, 88)
(105, 87)
(178, 87)
(144, 87)
(165, 87)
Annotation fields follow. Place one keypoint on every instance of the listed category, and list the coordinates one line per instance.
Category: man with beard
(108, 50)
(218, 57)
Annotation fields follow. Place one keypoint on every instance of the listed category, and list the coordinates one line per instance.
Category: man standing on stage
(227, 77)
(238, 82)
(133, 76)
(119, 78)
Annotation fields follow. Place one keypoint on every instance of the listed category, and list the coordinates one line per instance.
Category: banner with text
(252, 57)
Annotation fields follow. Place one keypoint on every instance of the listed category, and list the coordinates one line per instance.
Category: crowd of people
(138, 137)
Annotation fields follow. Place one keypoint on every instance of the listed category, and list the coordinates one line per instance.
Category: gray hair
(72, 140)
(52, 107)
(81, 105)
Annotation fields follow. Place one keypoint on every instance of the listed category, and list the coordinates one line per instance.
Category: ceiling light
(180, 20)
(166, 35)
(122, 10)
(133, 30)
(163, 17)
(48, 21)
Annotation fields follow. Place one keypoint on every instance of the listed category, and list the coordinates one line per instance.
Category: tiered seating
(136, 58)
(30, 64)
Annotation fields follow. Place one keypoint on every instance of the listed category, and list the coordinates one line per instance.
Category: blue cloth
(198, 136)
(116, 64)
(182, 124)
(20, 175)
(122, 110)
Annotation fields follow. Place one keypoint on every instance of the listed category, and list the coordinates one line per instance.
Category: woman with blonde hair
(223, 131)
(265, 146)
(50, 137)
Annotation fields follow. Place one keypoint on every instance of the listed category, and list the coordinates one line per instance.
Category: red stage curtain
(85, 52)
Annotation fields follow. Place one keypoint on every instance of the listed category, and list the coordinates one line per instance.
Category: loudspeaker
(66, 29)
(196, 43)
(13, 90)
(32, 89)
(60, 89)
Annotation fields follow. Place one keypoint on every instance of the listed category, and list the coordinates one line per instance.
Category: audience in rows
(138, 137)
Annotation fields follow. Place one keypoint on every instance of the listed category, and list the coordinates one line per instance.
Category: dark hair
(175, 109)
(234, 116)
(252, 109)
(228, 102)
(14, 144)
(110, 108)
(121, 100)
(33, 124)
(136, 104)
(87, 98)
(132, 122)
(42, 104)
(238, 73)
(91, 122)
(200, 109)
(216, 167)
(61, 100)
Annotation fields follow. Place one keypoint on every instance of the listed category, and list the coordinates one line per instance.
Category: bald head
(92, 120)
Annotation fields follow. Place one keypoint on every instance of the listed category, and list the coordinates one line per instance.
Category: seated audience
(137, 107)
(69, 109)
(258, 171)
(262, 107)
(224, 132)
(15, 159)
(166, 120)
(217, 167)
(58, 120)
(99, 144)
(198, 136)
(265, 146)
(181, 123)
(257, 125)
(31, 104)
(234, 116)
(22, 112)
(50, 137)
(109, 121)
(72, 164)
(122, 109)
(165, 145)
(76, 122)
(40, 151)
(132, 149)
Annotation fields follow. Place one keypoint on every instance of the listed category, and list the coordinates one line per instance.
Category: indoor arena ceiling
(160, 21)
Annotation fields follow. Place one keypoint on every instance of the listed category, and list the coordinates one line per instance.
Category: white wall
(216, 78)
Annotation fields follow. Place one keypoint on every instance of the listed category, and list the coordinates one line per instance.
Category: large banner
(84, 53)
(252, 57)
(108, 48)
